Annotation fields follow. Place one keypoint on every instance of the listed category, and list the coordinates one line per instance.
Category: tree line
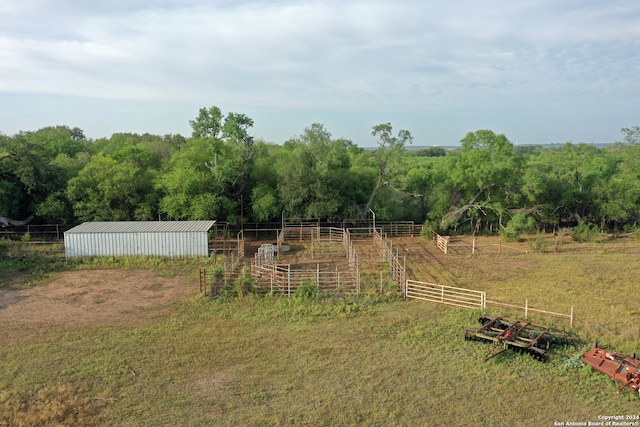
(222, 172)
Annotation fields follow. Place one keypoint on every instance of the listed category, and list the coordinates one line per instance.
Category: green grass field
(276, 361)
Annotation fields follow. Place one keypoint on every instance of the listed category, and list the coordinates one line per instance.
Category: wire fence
(527, 244)
(473, 299)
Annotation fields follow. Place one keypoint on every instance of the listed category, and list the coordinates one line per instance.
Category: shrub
(244, 284)
(307, 289)
(4, 245)
(509, 235)
(584, 232)
(538, 244)
(520, 223)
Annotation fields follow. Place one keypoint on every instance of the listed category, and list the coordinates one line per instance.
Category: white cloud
(343, 56)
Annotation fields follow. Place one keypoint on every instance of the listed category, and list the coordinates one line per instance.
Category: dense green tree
(313, 174)
(484, 178)
(221, 172)
(115, 188)
(265, 202)
(58, 140)
(210, 175)
(419, 181)
(616, 193)
(35, 168)
(188, 186)
(429, 152)
(559, 183)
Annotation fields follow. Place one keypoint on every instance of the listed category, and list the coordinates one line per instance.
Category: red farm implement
(619, 367)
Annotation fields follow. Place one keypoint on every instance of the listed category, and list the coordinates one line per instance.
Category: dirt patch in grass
(90, 297)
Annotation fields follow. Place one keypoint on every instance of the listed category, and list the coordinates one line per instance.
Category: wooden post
(526, 308)
(473, 246)
(571, 320)
(318, 277)
(289, 280)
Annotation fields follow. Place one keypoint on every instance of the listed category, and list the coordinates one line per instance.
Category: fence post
(289, 280)
(404, 274)
(571, 320)
(318, 277)
(526, 308)
(473, 246)
(204, 285)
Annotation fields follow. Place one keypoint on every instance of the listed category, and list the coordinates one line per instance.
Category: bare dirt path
(91, 297)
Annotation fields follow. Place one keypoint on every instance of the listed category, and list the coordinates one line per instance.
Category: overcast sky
(546, 71)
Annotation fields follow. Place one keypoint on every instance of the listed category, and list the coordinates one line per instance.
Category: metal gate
(449, 295)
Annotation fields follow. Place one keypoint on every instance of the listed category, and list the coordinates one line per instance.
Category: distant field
(277, 361)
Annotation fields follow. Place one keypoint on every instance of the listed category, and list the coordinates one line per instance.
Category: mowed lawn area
(266, 361)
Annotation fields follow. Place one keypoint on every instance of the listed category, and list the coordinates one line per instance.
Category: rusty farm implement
(517, 335)
(617, 366)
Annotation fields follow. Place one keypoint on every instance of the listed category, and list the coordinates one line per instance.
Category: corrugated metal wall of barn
(172, 239)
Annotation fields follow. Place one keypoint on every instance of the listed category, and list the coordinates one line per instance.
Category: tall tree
(631, 135)
(616, 192)
(313, 173)
(115, 188)
(386, 157)
(35, 166)
(560, 183)
(265, 203)
(211, 173)
(484, 177)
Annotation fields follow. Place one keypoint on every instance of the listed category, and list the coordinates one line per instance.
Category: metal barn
(172, 239)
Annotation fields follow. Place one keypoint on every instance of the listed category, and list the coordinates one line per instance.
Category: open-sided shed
(172, 239)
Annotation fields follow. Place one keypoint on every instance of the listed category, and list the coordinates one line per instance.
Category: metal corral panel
(172, 239)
